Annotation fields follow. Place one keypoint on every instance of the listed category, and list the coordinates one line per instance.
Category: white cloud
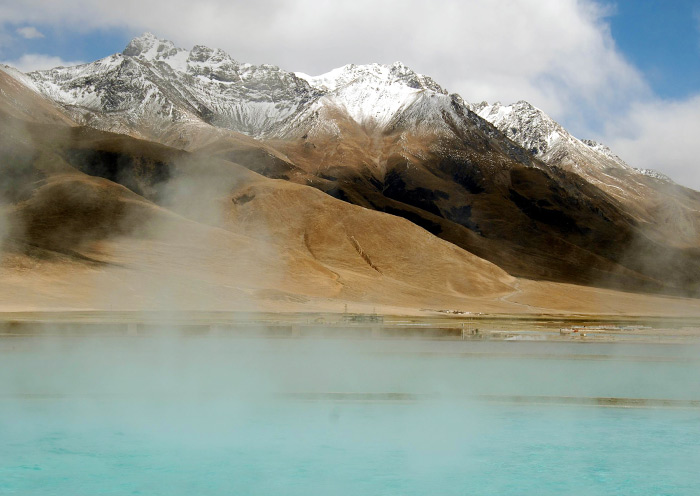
(661, 135)
(36, 61)
(557, 54)
(29, 32)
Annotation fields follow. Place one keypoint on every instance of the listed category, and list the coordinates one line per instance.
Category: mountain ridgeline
(508, 188)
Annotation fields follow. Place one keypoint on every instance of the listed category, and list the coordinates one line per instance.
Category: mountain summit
(153, 84)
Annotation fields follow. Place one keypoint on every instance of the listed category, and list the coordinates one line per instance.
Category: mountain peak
(546, 139)
(201, 59)
(146, 44)
(352, 74)
(525, 104)
(525, 124)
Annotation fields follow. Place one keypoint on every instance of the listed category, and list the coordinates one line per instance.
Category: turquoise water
(212, 418)
(65, 447)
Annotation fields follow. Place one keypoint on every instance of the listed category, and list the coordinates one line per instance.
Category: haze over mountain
(369, 183)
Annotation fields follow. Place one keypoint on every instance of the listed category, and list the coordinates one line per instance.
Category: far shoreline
(426, 324)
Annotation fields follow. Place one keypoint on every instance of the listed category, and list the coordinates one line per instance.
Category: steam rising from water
(239, 369)
(171, 415)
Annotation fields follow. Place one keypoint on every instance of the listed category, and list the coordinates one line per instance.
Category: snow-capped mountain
(158, 91)
(373, 94)
(154, 85)
(185, 98)
(547, 140)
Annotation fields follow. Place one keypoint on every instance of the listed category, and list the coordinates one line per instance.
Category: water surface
(163, 417)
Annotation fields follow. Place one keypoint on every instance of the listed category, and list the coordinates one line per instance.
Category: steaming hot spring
(164, 415)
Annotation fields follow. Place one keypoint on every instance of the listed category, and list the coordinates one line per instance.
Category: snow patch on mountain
(655, 174)
(374, 93)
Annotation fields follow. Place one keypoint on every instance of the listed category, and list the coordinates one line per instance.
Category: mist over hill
(185, 175)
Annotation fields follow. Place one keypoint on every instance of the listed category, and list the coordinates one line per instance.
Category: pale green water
(201, 418)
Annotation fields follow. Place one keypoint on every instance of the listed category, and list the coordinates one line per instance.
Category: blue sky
(661, 38)
(65, 43)
(623, 72)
